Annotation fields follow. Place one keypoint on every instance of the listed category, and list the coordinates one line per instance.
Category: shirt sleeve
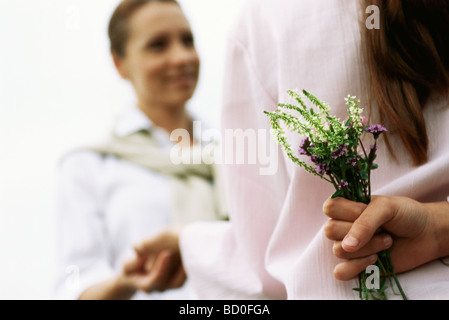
(216, 265)
(227, 260)
(82, 246)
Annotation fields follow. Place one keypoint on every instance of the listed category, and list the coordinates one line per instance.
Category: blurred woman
(116, 193)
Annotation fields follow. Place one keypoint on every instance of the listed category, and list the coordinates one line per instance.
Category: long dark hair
(408, 58)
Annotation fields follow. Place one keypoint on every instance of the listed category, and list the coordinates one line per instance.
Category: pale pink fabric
(274, 246)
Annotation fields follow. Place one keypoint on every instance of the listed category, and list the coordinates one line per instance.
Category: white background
(58, 89)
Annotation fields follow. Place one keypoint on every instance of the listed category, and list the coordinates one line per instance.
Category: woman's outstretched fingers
(177, 279)
(159, 275)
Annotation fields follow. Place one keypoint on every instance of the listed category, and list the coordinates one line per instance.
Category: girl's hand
(415, 233)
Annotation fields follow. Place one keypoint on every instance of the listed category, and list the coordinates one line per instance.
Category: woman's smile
(182, 80)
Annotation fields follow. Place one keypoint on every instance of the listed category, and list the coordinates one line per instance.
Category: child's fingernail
(372, 258)
(387, 241)
(351, 241)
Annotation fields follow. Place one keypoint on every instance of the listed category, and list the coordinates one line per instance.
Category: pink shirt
(274, 246)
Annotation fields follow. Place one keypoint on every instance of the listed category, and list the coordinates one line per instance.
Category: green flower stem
(393, 273)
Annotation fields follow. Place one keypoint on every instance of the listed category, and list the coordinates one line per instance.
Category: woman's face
(160, 57)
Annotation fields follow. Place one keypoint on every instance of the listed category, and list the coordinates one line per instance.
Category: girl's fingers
(379, 212)
(336, 229)
(343, 209)
(376, 244)
(350, 269)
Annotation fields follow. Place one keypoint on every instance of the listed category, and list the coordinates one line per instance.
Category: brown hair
(118, 30)
(408, 58)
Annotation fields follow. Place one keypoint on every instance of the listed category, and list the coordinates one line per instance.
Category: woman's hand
(415, 233)
(157, 265)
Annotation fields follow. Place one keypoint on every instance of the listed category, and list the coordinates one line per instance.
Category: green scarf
(197, 188)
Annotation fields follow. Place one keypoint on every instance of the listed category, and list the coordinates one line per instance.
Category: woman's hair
(118, 29)
(408, 58)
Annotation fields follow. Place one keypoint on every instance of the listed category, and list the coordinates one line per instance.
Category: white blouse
(105, 206)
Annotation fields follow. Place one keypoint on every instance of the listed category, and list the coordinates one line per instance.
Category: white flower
(276, 134)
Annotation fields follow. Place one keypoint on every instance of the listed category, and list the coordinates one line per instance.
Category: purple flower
(315, 159)
(342, 184)
(323, 168)
(341, 150)
(352, 161)
(375, 129)
(304, 145)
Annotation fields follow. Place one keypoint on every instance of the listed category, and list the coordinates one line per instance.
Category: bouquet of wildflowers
(337, 155)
